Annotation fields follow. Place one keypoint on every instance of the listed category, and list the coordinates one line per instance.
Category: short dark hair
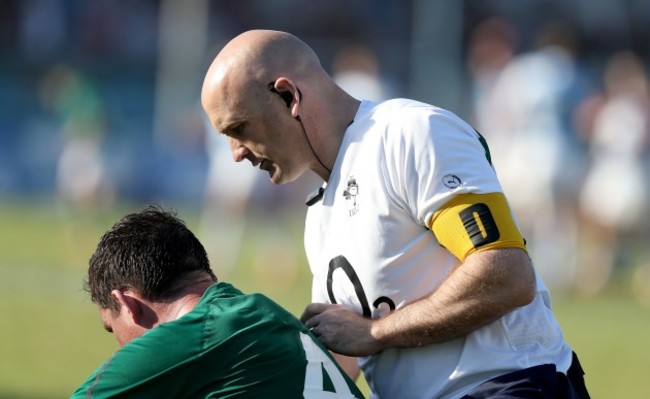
(149, 251)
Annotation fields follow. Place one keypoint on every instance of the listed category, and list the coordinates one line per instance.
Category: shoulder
(406, 125)
(404, 106)
(394, 110)
(225, 309)
(112, 378)
(410, 116)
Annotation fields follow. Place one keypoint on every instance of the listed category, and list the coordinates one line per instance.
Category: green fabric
(230, 345)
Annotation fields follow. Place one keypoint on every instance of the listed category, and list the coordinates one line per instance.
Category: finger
(316, 331)
(311, 323)
(312, 310)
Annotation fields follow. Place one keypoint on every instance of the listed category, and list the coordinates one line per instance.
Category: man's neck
(345, 111)
(184, 303)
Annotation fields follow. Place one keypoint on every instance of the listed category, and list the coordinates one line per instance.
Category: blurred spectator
(615, 195)
(356, 70)
(519, 109)
(82, 180)
(226, 201)
(491, 47)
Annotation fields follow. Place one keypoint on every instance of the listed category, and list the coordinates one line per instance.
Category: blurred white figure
(80, 174)
(82, 178)
(83, 182)
(519, 111)
(614, 198)
(356, 70)
(229, 186)
(491, 47)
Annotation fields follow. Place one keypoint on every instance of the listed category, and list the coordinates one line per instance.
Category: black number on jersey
(479, 224)
(342, 263)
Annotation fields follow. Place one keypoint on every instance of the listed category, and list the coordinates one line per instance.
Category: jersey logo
(351, 193)
(451, 181)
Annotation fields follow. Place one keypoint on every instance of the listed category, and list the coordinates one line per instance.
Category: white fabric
(388, 180)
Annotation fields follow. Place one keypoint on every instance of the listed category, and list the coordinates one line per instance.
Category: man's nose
(237, 149)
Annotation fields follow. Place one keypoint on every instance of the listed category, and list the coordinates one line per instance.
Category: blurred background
(100, 115)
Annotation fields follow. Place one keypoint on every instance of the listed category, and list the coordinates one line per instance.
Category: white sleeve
(431, 156)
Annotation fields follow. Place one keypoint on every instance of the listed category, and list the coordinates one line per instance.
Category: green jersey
(230, 345)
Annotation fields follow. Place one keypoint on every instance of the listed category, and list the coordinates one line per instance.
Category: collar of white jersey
(317, 194)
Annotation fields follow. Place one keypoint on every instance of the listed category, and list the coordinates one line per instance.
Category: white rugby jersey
(369, 248)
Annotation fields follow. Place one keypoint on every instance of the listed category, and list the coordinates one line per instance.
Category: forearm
(486, 286)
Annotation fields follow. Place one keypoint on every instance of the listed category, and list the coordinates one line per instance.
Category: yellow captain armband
(476, 222)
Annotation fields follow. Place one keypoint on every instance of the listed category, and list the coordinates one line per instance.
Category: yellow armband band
(476, 222)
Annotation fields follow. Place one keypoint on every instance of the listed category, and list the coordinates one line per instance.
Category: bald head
(258, 57)
(282, 134)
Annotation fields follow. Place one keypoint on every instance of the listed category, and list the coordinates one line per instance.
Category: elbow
(524, 284)
(526, 293)
(516, 277)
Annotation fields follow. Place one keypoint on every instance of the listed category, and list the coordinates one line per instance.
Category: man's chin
(277, 177)
(274, 175)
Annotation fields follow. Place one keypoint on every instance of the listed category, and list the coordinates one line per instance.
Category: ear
(130, 304)
(284, 85)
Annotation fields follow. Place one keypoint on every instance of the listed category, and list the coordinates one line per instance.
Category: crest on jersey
(350, 194)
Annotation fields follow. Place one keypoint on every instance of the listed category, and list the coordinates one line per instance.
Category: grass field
(51, 338)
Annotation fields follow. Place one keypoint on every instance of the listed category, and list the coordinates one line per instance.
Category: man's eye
(238, 130)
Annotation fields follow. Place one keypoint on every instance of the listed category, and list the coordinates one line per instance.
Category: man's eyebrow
(107, 328)
(231, 125)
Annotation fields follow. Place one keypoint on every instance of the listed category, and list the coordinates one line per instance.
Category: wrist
(379, 334)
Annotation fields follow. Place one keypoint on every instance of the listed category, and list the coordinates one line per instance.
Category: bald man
(419, 269)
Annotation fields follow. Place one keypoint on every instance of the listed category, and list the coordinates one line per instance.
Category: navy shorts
(539, 382)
